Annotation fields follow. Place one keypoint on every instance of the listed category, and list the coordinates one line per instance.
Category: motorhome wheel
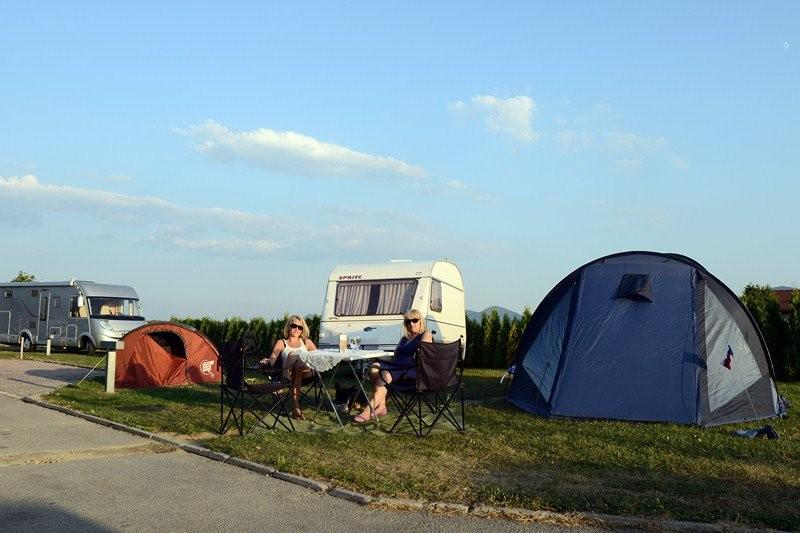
(89, 347)
(26, 343)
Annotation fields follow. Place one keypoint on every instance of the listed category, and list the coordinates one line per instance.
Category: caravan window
(436, 296)
(380, 297)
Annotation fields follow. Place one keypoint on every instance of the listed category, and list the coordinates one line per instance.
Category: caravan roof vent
(635, 287)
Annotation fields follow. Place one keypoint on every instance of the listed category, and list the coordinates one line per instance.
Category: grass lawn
(508, 457)
(57, 355)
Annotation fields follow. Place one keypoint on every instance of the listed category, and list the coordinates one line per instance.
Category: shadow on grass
(196, 395)
(571, 485)
(482, 384)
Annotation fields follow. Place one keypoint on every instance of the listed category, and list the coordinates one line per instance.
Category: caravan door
(42, 327)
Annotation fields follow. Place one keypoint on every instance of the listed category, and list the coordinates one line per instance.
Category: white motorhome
(367, 302)
(77, 314)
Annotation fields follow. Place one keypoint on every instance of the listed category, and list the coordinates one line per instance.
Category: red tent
(160, 354)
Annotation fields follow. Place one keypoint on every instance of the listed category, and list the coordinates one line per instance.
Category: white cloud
(678, 163)
(287, 152)
(573, 141)
(626, 142)
(27, 190)
(617, 217)
(342, 235)
(456, 185)
(595, 132)
(628, 164)
(461, 188)
(253, 247)
(107, 178)
(118, 178)
(509, 116)
(456, 107)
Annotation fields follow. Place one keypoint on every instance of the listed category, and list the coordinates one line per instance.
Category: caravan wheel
(89, 347)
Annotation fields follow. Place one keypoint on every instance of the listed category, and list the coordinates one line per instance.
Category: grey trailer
(72, 314)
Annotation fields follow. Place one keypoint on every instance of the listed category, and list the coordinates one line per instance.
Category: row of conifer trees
(492, 341)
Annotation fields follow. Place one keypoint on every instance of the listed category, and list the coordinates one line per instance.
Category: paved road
(63, 473)
(21, 377)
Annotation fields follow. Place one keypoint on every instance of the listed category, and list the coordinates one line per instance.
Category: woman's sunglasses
(295, 326)
(411, 321)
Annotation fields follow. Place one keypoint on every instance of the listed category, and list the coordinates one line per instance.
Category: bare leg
(379, 381)
(297, 371)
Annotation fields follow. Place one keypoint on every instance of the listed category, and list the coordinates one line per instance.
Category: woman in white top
(295, 340)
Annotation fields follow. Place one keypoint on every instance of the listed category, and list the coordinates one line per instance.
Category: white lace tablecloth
(324, 360)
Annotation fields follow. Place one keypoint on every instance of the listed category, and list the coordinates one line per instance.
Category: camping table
(323, 360)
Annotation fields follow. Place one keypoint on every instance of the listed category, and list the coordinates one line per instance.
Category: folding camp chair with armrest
(265, 401)
(438, 382)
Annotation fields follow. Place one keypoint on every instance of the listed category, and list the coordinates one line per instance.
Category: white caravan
(78, 314)
(367, 302)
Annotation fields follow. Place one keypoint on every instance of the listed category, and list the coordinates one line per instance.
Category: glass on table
(355, 343)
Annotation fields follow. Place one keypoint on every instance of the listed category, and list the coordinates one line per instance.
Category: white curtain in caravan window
(395, 297)
(352, 299)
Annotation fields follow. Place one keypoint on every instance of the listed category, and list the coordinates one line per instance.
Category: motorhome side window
(363, 298)
(74, 310)
(56, 302)
(35, 293)
(8, 294)
(436, 296)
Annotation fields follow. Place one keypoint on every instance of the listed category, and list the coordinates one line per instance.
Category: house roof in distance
(784, 296)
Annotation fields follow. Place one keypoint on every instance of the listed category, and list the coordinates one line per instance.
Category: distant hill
(502, 311)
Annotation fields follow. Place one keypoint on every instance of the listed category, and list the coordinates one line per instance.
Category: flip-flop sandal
(360, 419)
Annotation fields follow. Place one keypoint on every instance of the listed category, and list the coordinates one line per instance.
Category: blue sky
(223, 158)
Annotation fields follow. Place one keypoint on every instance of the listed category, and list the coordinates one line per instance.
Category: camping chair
(439, 380)
(265, 401)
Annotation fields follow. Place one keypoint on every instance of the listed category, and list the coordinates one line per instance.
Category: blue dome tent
(644, 336)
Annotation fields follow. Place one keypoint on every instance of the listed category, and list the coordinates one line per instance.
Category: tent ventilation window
(635, 287)
(170, 342)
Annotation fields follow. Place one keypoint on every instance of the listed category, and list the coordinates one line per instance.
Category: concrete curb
(302, 481)
(449, 508)
(401, 503)
(250, 465)
(345, 494)
(205, 452)
(484, 511)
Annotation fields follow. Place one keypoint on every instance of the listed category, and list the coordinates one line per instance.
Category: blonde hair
(413, 313)
(304, 334)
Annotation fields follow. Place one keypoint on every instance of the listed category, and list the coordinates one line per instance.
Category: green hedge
(267, 332)
(491, 342)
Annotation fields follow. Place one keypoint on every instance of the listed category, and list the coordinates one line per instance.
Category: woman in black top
(401, 365)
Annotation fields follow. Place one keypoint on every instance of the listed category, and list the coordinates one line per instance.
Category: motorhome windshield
(114, 308)
(380, 297)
